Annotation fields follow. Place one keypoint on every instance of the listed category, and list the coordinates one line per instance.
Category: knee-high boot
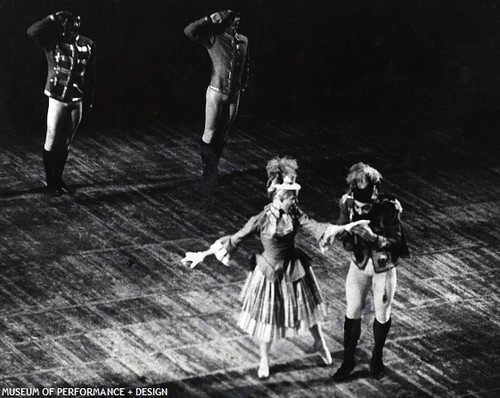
(380, 331)
(210, 157)
(60, 161)
(49, 164)
(217, 148)
(352, 331)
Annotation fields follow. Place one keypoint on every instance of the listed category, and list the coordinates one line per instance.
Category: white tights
(62, 121)
(359, 282)
(220, 112)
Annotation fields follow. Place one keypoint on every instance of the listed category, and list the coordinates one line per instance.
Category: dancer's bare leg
(320, 344)
(265, 348)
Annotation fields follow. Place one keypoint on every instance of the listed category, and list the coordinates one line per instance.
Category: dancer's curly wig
(277, 168)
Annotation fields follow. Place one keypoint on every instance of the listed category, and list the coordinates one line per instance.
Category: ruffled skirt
(273, 310)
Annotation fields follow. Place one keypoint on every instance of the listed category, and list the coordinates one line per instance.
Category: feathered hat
(281, 174)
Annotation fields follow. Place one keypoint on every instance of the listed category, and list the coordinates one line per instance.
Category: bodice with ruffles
(277, 231)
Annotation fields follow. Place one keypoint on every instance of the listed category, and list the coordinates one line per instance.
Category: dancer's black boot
(380, 331)
(59, 162)
(49, 165)
(217, 146)
(352, 331)
(210, 159)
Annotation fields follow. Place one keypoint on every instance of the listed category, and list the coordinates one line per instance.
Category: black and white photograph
(249, 198)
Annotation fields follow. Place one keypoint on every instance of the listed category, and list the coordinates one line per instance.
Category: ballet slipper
(263, 371)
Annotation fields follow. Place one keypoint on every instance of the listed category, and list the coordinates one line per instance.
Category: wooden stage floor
(92, 291)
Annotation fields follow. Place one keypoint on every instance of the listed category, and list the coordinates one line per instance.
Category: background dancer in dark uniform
(69, 86)
(228, 51)
(375, 249)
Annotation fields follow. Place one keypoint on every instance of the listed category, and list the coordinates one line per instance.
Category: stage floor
(93, 293)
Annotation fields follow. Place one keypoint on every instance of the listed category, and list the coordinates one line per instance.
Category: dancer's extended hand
(219, 16)
(333, 230)
(356, 224)
(192, 259)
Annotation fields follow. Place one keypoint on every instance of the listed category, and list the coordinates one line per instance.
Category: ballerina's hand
(192, 259)
(354, 225)
(333, 230)
(329, 236)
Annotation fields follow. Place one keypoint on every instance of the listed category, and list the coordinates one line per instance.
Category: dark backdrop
(437, 60)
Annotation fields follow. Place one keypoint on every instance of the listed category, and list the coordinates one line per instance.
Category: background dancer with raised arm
(69, 86)
(228, 51)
